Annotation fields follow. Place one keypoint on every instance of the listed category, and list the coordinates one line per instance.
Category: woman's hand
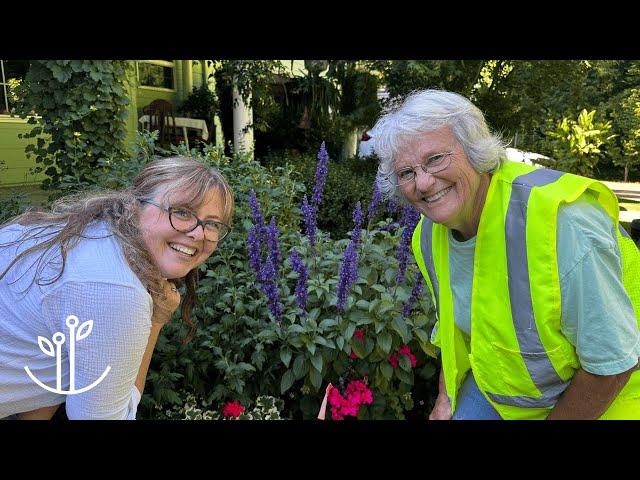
(163, 308)
(442, 409)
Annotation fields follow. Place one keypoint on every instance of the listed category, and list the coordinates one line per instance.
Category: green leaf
(421, 334)
(298, 366)
(348, 332)
(386, 369)
(378, 288)
(404, 362)
(285, 356)
(390, 276)
(403, 376)
(363, 304)
(327, 322)
(287, 381)
(399, 325)
(316, 378)
(316, 361)
(314, 314)
(427, 371)
(360, 317)
(311, 346)
(384, 341)
(359, 347)
(340, 342)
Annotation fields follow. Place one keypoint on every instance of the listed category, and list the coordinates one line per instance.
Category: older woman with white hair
(535, 284)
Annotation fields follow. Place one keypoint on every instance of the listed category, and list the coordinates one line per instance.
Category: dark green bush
(348, 182)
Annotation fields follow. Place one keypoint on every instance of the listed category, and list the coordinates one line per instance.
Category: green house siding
(13, 155)
(12, 148)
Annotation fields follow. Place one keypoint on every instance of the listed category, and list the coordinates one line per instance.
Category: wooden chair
(161, 118)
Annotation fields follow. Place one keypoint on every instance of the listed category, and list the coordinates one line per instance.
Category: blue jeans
(471, 404)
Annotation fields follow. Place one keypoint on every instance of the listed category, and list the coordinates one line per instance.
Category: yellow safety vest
(521, 361)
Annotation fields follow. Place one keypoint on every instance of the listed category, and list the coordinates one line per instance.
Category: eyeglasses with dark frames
(184, 220)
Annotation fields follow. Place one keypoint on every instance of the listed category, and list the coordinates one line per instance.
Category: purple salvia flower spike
(257, 215)
(273, 245)
(309, 217)
(409, 220)
(349, 267)
(270, 288)
(301, 284)
(321, 176)
(253, 248)
(415, 293)
(376, 198)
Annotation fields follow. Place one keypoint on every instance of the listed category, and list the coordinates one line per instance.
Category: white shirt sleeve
(121, 317)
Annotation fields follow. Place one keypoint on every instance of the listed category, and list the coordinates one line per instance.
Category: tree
(576, 144)
(627, 119)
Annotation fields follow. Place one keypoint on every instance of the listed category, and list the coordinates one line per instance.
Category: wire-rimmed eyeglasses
(434, 164)
(185, 221)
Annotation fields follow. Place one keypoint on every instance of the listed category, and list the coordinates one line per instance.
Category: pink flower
(232, 409)
(393, 360)
(357, 393)
(403, 350)
(412, 359)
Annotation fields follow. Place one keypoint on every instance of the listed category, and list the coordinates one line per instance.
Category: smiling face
(173, 252)
(453, 197)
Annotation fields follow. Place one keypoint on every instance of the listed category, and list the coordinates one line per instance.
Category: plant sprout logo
(58, 338)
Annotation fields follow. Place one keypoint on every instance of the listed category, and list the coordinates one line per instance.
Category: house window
(156, 74)
(12, 73)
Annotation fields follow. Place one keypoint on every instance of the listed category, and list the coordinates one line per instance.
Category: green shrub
(241, 351)
(348, 182)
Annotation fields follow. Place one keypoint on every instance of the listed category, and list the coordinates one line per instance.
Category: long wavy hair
(63, 226)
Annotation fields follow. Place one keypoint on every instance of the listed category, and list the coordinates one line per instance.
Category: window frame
(6, 116)
(161, 63)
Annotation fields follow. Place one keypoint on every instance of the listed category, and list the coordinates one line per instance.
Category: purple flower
(358, 218)
(303, 275)
(321, 176)
(409, 220)
(347, 277)
(270, 288)
(376, 198)
(258, 220)
(254, 250)
(392, 206)
(310, 221)
(417, 289)
(349, 266)
(273, 245)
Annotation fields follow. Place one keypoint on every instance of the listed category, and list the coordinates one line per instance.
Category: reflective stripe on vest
(541, 370)
(623, 231)
(425, 245)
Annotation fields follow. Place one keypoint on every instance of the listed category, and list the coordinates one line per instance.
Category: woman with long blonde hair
(99, 275)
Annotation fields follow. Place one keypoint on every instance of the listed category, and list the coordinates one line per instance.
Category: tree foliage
(82, 105)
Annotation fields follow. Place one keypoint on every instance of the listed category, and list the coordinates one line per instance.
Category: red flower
(393, 360)
(232, 409)
(404, 350)
(353, 355)
(357, 393)
(359, 334)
